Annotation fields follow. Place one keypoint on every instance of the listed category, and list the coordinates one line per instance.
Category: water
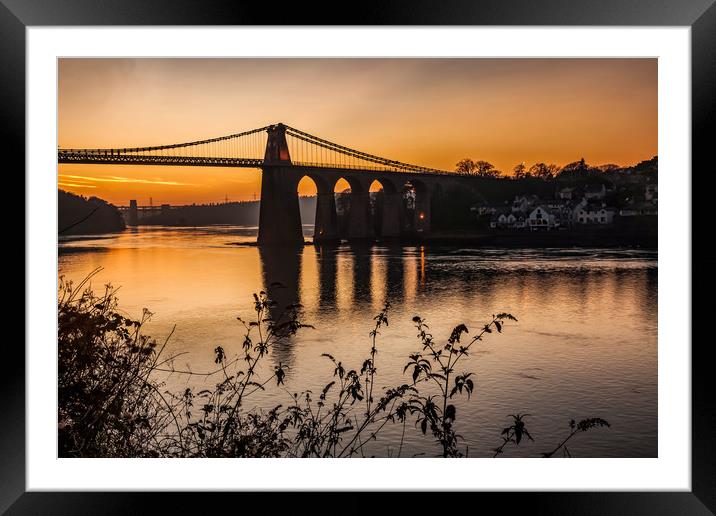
(585, 344)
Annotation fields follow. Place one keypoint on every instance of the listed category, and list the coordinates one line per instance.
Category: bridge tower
(279, 215)
(133, 215)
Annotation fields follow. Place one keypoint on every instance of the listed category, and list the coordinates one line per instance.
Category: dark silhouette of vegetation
(79, 215)
(575, 171)
(543, 171)
(109, 404)
(243, 213)
(436, 363)
(113, 403)
(519, 171)
(575, 428)
(477, 168)
(514, 433)
(540, 170)
(648, 167)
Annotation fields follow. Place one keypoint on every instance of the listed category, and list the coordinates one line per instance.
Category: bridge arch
(388, 184)
(307, 190)
(356, 183)
(376, 186)
(307, 186)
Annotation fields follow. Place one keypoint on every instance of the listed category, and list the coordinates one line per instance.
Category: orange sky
(430, 112)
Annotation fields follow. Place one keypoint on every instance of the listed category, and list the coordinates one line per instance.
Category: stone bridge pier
(422, 214)
(359, 220)
(280, 217)
(390, 224)
(326, 225)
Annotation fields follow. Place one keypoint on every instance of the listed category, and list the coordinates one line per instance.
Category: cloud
(75, 185)
(118, 179)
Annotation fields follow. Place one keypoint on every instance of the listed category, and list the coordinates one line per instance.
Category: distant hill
(237, 213)
(78, 215)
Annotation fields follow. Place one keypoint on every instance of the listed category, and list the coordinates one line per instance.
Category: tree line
(547, 171)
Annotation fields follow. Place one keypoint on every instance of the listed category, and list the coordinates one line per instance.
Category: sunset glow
(431, 112)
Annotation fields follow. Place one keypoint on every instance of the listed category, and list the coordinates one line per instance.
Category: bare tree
(519, 171)
(544, 171)
(465, 166)
(477, 168)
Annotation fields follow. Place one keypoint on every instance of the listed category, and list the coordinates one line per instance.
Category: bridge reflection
(348, 284)
(330, 279)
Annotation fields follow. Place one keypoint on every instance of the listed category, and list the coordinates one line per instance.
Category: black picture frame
(700, 15)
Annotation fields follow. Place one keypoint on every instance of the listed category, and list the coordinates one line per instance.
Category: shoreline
(629, 238)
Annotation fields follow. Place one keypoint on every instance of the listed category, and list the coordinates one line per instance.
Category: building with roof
(542, 218)
(593, 213)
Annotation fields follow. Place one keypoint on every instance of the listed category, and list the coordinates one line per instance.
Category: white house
(499, 221)
(508, 220)
(593, 214)
(541, 218)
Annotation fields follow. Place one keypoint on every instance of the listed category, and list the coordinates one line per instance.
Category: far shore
(642, 236)
(516, 240)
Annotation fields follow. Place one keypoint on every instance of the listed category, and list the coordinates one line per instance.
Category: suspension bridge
(286, 155)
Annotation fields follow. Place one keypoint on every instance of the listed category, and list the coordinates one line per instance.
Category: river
(585, 344)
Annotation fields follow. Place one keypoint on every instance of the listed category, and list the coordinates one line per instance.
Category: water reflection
(395, 275)
(585, 344)
(281, 272)
(329, 279)
(327, 270)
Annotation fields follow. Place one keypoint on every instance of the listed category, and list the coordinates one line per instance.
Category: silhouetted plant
(513, 433)
(436, 363)
(112, 403)
(221, 426)
(108, 404)
(329, 426)
(575, 428)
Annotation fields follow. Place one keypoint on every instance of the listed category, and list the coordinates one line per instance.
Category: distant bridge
(286, 155)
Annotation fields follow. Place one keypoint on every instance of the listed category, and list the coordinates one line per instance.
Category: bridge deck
(190, 161)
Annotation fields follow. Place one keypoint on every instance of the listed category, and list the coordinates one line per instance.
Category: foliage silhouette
(112, 402)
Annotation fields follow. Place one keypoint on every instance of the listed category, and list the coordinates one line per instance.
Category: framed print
(429, 242)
